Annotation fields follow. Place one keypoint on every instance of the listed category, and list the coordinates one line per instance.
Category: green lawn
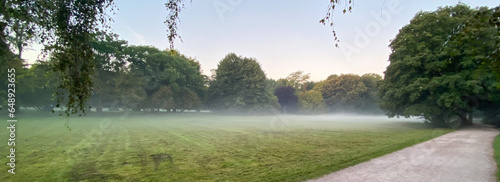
(496, 146)
(199, 147)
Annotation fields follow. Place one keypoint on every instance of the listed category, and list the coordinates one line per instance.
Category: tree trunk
(438, 121)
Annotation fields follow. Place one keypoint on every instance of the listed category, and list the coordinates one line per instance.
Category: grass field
(496, 147)
(200, 146)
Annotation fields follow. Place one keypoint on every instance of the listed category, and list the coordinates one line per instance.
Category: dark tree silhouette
(287, 98)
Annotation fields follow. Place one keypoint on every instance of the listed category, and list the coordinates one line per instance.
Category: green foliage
(371, 96)
(433, 73)
(312, 102)
(129, 90)
(496, 147)
(109, 58)
(167, 68)
(163, 98)
(344, 93)
(36, 87)
(486, 28)
(309, 85)
(187, 100)
(12, 62)
(297, 80)
(240, 85)
(66, 28)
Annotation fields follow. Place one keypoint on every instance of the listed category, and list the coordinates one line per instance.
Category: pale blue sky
(284, 36)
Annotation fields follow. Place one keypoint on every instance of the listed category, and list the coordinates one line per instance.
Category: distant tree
(163, 98)
(434, 74)
(240, 85)
(344, 93)
(272, 84)
(308, 85)
(36, 87)
(319, 85)
(311, 102)
(110, 58)
(287, 99)
(165, 68)
(371, 96)
(332, 76)
(187, 100)
(298, 79)
(129, 90)
(12, 63)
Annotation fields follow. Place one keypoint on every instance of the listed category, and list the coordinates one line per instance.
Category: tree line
(66, 28)
(144, 78)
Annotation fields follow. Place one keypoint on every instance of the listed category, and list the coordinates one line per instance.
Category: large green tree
(109, 57)
(433, 73)
(65, 28)
(182, 75)
(240, 86)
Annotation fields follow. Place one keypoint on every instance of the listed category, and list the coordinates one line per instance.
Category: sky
(283, 36)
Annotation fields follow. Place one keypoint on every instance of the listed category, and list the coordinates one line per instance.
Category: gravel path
(463, 155)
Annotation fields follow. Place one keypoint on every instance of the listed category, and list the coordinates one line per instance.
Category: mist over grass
(202, 146)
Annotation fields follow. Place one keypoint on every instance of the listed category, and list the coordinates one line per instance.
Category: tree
(15, 63)
(297, 80)
(163, 98)
(65, 27)
(36, 87)
(309, 85)
(240, 85)
(370, 97)
(433, 74)
(109, 59)
(286, 98)
(167, 68)
(311, 102)
(129, 90)
(485, 19)
(344, 92)
(187, 100)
